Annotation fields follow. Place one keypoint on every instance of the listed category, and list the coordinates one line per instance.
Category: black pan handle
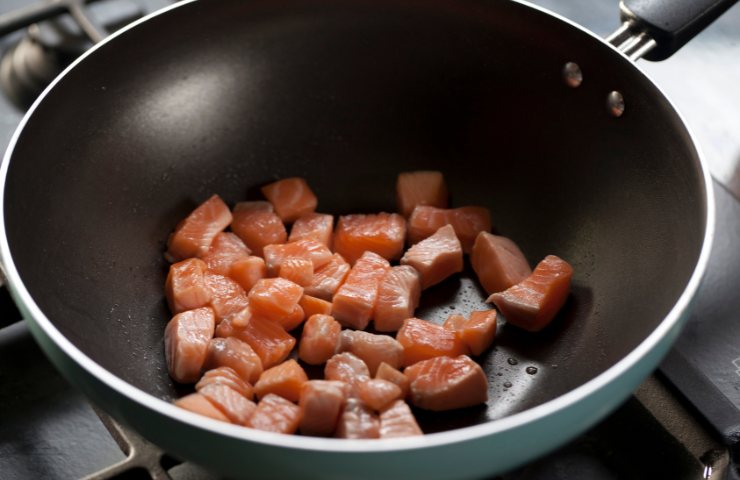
(670, 23)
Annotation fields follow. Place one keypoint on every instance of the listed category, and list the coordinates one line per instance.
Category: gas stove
(683, 422)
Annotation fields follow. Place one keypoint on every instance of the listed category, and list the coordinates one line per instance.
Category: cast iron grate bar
(144, 460)
(47, 9)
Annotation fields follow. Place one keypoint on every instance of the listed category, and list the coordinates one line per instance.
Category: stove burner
(49, 46)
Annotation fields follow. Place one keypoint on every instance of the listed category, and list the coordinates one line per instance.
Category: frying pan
(224, 96)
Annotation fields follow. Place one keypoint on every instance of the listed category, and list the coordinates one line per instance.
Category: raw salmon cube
(386, 372)
(321, 403)
(226, 376)
(235, 354)
(353, 304)
(292, 321)
(233, 404)
(455, 323)
(379, 394)
(225, 249)
(275, 414)
(274, 298)
(194, 235)
(197, 403)
(186, 340)
(318, 253)
(227, 297)
(423, 187)
(285, 379)
(291, 198)
(422, 340)
(534, 302)
(268, 339)
(247, 272)
(319, 339)
(313, 226)
(347, 368)
(498, 262)
(357, 421)
(446, 383)
(257, 225)
(477, 333)
(468, 222)
(371, 349)
(382, 233)
(398, 296)
(186, 287)
(297, 270)
(314, 306)
(328, 278)
(436, 257)
(398, 421)
(240, 319)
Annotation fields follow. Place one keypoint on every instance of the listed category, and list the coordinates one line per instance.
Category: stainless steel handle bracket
(629, 40)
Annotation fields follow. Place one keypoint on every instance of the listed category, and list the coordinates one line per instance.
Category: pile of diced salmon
(244, 298)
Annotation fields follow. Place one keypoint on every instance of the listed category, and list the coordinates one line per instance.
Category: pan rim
(621, 368)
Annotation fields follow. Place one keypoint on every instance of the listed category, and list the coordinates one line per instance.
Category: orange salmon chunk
(274, 298)
(423, 187)
(422, 340)
(297, 270)
(379, 394)
(313, 306)
(436, 257)
(478, 332)
(248, 271)
(357, 421)
(275, 414)
(353, 303)
(398, 296)
(186, 287)
(194, 235)
(285, 379)
(292, 321)
(257, 225)
(468, 222)
(225, 249)
(398, 421)
(447, 383)
(197, 403)
(315, 252)
(347, 368)
(328, 278)
(227, 297)
(234, 405)
(291, 198)
(321, 403)
(371, 349)
(235, 354)
(534, 302)
(186, 340)
(226, 376)
(313, 226)
(386, 372)
(382, 233)
(319, 339)
(498, 262)
(268, 339)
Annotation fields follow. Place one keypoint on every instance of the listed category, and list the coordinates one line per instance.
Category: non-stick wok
(223, 96)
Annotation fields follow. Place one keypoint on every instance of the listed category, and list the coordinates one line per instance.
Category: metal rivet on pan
(572, 74)
(615, 103)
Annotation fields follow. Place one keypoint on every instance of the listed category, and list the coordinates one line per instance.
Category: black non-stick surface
(223, 96)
